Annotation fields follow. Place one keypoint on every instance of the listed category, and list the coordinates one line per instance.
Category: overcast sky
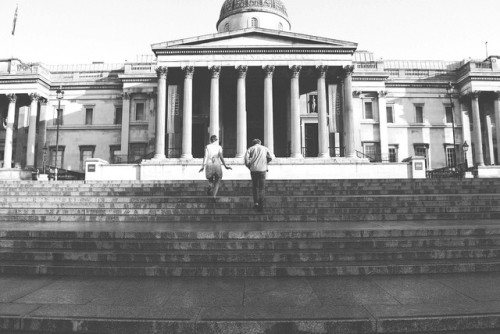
(83, 31)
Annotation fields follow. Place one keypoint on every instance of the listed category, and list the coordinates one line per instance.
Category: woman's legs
(216, 183)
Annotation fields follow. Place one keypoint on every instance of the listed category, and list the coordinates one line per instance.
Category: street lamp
(59, 95)
(449, 87)
(465, 148)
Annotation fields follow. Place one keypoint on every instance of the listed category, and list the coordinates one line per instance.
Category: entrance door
(199, 132)
(311, 140)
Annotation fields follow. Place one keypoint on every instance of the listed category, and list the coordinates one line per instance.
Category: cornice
(134, 80)
(369, 78)
(415, 84)
(88, 87)
(25, 81)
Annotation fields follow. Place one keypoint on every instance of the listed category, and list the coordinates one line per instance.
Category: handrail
(376, 158)
(450, 172)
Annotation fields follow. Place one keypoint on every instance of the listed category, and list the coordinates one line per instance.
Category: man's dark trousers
(259, 184)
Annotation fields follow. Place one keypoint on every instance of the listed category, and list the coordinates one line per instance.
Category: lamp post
(449, 87)
(59, 95)
(465, 148)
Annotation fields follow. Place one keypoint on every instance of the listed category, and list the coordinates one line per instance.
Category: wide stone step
(250, 269)
(250, 245)
(253, 256)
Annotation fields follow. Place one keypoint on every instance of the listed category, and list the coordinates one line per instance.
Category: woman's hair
(213, 138)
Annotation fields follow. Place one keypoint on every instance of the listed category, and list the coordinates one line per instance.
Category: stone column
(489, 137)
(350, 128)
(323, 135)
(382, 119)
(30, 147)
(241, 112)
(497, 122)
(41, 137)
(9, 131)
(187, 115)
(295, 145)
(214, 100)
(478, 142)
(125, 126)
(161, 112)
(466, 135)
(268, 109)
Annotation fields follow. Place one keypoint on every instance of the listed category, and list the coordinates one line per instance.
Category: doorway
(311, 140)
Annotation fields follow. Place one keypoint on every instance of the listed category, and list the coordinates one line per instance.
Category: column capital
(295, 71)
(268, 71)
(348, 70)
(43, 101)
(242, 71)
(34, 97)
(321, 71)
(382, 94)
(475, 94)
(215, 71)
(497, 94)
(12, 98)
(161, 71)
(188, 72)
(356, 93)
(125, 96)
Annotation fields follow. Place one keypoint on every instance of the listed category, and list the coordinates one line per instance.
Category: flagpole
(13, 34)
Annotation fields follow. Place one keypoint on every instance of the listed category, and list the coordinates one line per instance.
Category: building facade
(307, 97)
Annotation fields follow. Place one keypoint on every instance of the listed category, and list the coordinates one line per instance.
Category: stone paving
(370, 304)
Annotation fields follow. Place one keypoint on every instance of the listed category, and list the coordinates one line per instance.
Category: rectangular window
(89, 115)
(60, 156)
(86, 152)
(390, 114)
(393, 154)
(368, 112)
(450, 156)
(421, 150)
(118, 115)
(419, 114)
(139, 112)
(113, 156)
(371, 151)
(137, 151)
(449, 114)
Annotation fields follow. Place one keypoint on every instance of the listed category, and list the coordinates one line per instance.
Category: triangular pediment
(254, 38)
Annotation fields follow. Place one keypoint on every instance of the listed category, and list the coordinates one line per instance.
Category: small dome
(239, 8)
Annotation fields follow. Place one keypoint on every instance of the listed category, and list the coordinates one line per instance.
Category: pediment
(254, 38)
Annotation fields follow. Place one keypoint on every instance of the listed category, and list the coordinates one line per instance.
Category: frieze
(370, 78)
(89, 87)
(130, 80)
(255, 51)
(414, 85)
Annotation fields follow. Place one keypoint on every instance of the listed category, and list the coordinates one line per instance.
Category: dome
(239, 9)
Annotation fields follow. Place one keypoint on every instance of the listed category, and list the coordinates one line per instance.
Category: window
(139, 112)
(390, 114)
(137, 151)
(419, 113)
(254, 23)
(89, 115)
(393, 153)
(118, 115)
(371, 151)
(368, 110)
(86, 152)
(449, 114)
(113, 156)
(450, 156)
(421, 150)
(58, 116)
(60, 156)
(313, 104)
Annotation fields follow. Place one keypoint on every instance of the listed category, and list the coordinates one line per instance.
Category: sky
(115, 31)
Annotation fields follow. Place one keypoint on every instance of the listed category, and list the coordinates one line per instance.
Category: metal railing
(372, 158)
(61, 173)
(457, 172)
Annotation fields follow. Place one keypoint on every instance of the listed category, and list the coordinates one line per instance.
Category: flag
(14, 22)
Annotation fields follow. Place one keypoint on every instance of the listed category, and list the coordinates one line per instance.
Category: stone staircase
(309, 228)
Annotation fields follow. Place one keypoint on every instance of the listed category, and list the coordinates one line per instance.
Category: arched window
(226, 27)
(280, 26)
(254, 23)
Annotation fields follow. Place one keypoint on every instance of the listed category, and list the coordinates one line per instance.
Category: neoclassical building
(307, 97)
